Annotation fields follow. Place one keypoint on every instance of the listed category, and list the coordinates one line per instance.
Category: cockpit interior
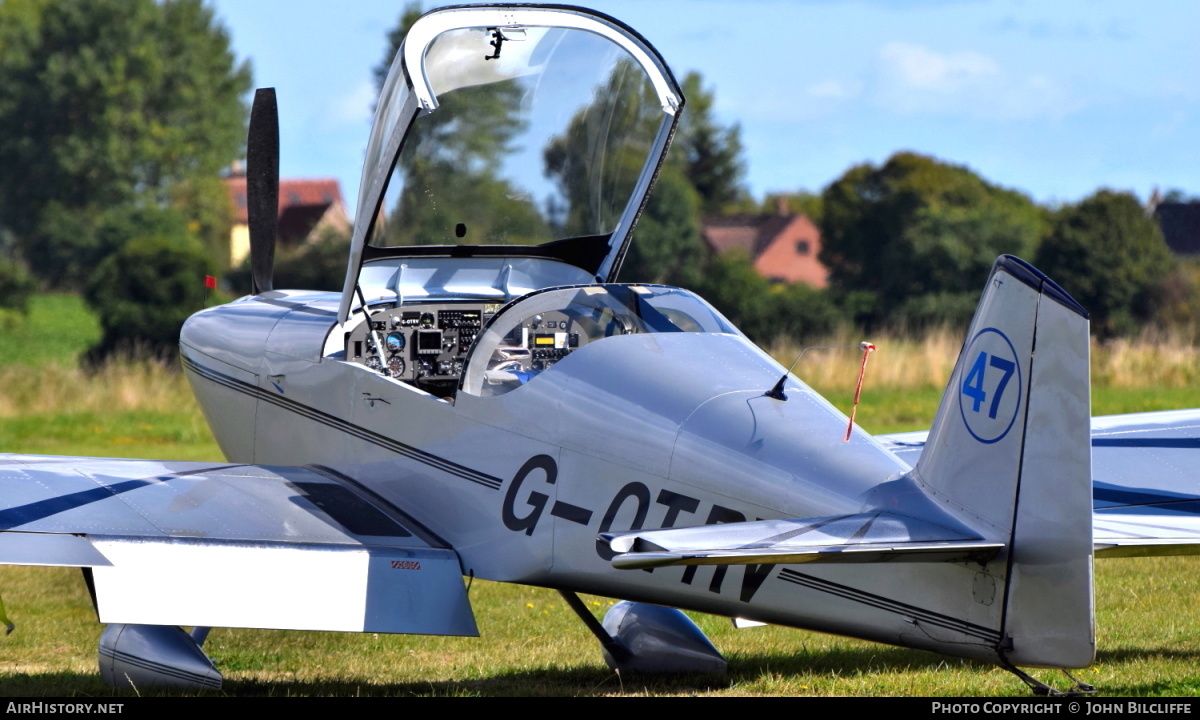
(487, 349)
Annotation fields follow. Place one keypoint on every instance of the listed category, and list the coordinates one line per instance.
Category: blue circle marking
(990, 387)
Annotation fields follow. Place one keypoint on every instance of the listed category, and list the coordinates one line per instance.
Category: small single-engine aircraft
(482, 400)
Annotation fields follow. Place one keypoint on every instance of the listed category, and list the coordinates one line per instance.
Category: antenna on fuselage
(262, 188)
(777, 393)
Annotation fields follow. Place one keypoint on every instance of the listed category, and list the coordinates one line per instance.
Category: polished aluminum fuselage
(634, 432)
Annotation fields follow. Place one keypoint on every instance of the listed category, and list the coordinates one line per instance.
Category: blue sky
(1054, 99)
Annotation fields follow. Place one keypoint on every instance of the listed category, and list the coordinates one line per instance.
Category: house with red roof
(307, 209)
(783, 245)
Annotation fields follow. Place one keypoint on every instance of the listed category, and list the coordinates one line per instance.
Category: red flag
(210, 282)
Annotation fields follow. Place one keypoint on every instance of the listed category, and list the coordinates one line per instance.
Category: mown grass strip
(532, 645)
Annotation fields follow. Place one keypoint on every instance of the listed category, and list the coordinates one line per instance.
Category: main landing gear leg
(649, 638)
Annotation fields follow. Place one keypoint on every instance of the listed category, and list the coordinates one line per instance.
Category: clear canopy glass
(539, 134)
(515, 131)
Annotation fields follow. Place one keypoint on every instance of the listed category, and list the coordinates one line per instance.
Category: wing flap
(288, 587)
(864, 537)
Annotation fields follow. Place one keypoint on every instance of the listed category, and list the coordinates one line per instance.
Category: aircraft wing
(1145, 481)
(864, 537)
(226, 545)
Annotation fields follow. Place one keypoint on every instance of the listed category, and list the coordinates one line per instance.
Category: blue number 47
(973, 384)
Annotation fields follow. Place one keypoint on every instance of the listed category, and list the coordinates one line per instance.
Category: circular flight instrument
(396, 365)
(394, 342)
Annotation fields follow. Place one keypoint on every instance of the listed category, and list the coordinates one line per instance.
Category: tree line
(117, 117)
(907, 244)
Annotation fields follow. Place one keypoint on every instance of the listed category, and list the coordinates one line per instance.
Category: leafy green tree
(800, 202)
(1176, 301)
(917, 227)
(802, 312)
(204, 200)
(761, 309)
(710, 155)
(317, 264)
(145, 289)
(950, 309)
(622, 121)
(732, 284)
(666, 246)
(15, 288)
(1109, 256)
(449, 172)
(1175, 195)
(112, 102)
(62, 247)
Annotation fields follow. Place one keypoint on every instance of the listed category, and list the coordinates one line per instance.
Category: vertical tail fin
(1010, 447)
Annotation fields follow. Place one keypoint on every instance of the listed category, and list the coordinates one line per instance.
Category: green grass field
(531, 643)
(57, 330)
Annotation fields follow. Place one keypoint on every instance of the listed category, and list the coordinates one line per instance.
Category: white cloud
(917, 68)
(914, 80)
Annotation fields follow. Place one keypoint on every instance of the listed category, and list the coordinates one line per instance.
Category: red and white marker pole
(867, 349)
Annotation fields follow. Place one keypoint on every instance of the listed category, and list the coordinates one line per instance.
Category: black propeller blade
(262, 187)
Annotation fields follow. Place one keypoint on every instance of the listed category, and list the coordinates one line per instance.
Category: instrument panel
(549, 338)
(425, 344)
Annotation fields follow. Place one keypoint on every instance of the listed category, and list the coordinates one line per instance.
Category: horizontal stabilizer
(1145, 492)
(865, 537)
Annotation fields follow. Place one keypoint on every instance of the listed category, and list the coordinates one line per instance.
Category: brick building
(783, 245)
